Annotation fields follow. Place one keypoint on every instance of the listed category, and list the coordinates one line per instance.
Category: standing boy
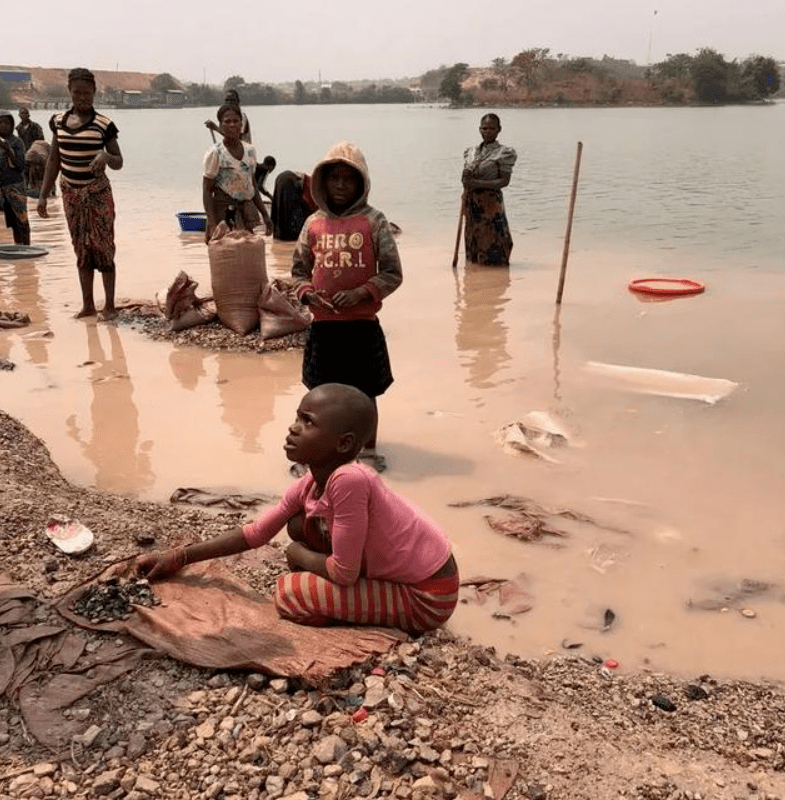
(346, 262)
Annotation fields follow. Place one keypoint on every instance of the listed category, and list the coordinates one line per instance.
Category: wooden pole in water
(568, 235)
(460, 230)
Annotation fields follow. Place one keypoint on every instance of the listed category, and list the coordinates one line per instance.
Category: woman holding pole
(487, 169)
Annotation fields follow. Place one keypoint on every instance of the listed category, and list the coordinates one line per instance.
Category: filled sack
(238, 273)
(278, 316)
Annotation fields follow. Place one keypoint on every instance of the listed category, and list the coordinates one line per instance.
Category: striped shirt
(79, 146)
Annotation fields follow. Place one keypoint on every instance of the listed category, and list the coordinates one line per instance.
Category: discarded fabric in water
(535, 434)
(661, 382)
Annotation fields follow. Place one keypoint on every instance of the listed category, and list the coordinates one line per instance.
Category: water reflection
(112, 445)
(20, 283)
(481, 334)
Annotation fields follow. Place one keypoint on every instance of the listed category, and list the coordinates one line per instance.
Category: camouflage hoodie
(347, 250)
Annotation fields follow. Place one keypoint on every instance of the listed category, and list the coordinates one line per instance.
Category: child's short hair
(352, 411)
(226, 107)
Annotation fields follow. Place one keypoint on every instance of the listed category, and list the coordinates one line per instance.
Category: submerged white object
(662, 382)
(537, 432)
(69, 535)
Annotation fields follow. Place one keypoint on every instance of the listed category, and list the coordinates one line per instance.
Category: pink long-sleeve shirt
(375, 532)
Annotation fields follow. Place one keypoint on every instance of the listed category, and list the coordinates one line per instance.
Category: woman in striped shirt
(84, 144)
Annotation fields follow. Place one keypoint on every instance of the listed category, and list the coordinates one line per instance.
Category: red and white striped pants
(309, 599)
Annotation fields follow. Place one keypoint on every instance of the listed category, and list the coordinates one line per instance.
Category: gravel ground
(444, 718)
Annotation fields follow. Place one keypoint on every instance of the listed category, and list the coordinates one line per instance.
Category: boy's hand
(318, 299)
(160, 565)
(294, 556)
(347, 298)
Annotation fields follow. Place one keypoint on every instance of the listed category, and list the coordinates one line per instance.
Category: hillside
(51, 82)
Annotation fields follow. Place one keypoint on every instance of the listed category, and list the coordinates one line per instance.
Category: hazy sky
(351, 39)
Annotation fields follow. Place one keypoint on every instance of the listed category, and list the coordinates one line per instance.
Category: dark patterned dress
(487, 232)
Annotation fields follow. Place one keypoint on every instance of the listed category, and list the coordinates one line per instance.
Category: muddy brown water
(691, 494)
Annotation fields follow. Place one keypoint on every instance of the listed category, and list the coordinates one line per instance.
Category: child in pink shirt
(360, 552)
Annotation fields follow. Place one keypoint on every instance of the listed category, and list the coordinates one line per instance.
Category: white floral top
(489, 160)
(233, 176)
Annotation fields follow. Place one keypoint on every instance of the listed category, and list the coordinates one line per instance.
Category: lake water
(697, 488)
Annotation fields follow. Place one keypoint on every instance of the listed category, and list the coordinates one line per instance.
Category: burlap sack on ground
(182, 307)
(238, 273)
(277, 315)
(209, 618)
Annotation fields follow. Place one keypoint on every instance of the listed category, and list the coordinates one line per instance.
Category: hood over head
(341, 153)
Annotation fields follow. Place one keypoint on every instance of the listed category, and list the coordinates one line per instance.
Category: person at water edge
(260, 175)
(12, 180)
(228, 178)
(233, 97)
(35, 165)
(84, 144)
(292, 204)
(360, 553)
(487, 169)
(28, 130)
(345, 263)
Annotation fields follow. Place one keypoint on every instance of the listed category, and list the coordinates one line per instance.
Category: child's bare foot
(87, 311)
(109, 312)
(372, 459)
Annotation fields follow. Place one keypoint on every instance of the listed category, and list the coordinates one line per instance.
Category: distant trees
(714, 80)
(452, 84)
(760, 77)
(234, 82)
(710, 74)
(529, 65)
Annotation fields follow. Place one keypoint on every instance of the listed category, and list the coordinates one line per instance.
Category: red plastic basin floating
(666, 287)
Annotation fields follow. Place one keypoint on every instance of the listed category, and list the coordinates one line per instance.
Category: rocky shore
(434, 717)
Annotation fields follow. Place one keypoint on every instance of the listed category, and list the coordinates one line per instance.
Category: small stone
(87, 739)
(144, 538)
(137, 745)
(42, 770)
(663, 702)
(205, 731)
(749, 613)
(144, 783)
(330, 750)
(107, 782)
(256, 682)
(536, 792)
(311, 718)
(279, 685)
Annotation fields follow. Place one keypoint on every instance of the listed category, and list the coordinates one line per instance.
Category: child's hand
(318, 299)
(347, 298)
(160, 565)
(294, 556)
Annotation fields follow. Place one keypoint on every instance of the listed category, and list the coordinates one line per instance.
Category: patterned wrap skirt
(309, 599)
(89, 211)
(14, 202)
(353, 352)
(487, 233)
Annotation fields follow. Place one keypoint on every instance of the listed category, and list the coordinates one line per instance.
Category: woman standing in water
(84, 144)
(487, 169)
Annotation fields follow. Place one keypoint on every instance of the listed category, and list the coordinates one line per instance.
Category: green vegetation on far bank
(533, 77)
